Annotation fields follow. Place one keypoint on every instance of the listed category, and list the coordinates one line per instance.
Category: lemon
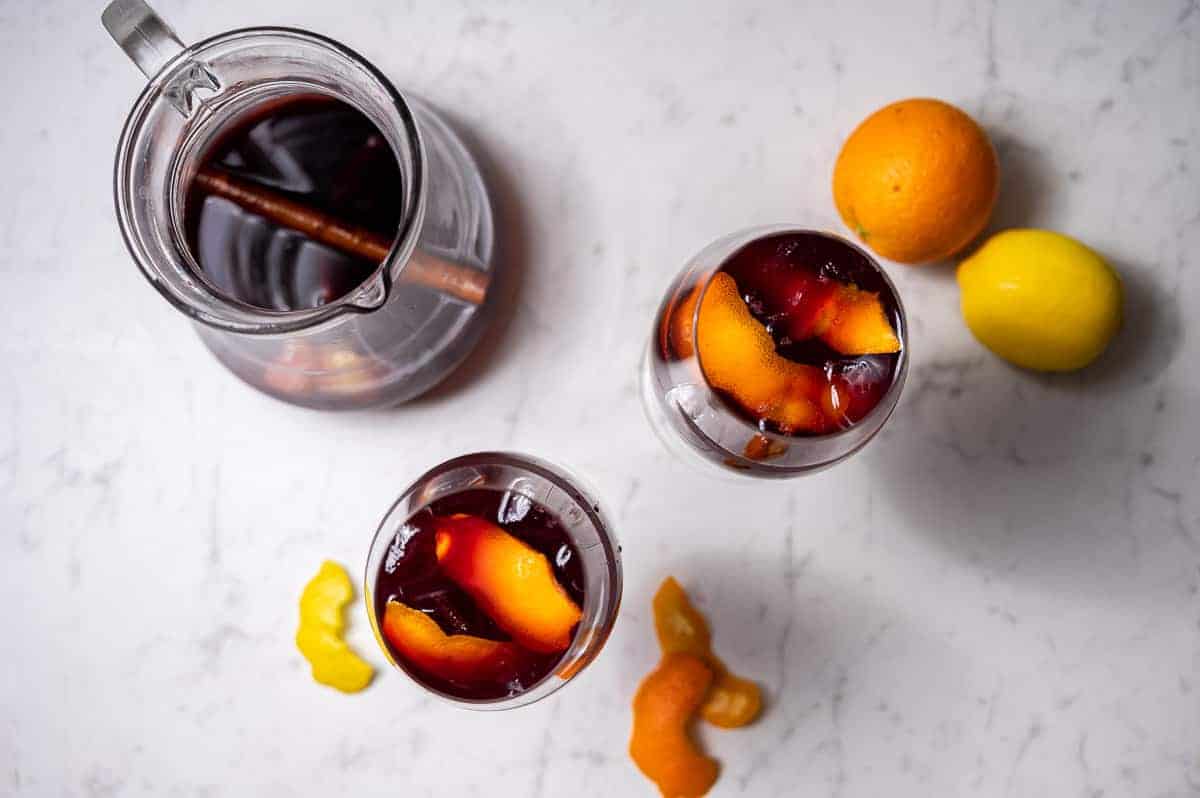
(1040, 300)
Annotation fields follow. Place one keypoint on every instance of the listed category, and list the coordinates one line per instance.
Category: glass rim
(254, 320)
(562, 479)
(757, 233)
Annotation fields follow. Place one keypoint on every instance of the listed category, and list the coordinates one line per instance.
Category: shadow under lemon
(1033, 476)
(1024, 474)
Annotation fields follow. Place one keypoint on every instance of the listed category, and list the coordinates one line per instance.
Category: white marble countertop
(999, 597)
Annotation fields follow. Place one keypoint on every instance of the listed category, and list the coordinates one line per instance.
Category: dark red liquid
(411, 575)
(784, 280)
(314, 150)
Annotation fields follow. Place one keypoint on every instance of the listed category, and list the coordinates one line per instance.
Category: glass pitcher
(401, 330)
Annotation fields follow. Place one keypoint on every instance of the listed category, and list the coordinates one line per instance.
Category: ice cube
(397, 547)
(513, 507)
(864, 379)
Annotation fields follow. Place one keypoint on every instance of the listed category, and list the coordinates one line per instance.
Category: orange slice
(509, 580)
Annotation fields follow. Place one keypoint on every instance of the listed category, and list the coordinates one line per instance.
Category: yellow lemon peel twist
(319, 636)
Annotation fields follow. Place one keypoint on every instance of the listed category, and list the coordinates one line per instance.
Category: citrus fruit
(1040, 300)
(916, 180)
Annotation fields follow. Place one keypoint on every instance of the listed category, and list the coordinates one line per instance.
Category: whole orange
(916, 180)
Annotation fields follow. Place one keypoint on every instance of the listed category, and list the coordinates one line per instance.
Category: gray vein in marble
(1031, 736)
(214, 517)
(545, 751)
(630, 495)
(793, 570)
(214, 644)
(10, 455)
(1081, 755)
(836, 742)
(990, 58)
(512, 417)
(1174, 500)
(102, 783)
(991, 705)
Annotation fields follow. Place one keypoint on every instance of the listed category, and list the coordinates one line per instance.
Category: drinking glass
(581, 518)
(700, 427)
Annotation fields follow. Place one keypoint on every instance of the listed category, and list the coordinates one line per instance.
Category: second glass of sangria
(776, 352)
(493, 580)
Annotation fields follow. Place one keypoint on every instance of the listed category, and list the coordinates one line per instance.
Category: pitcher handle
(142, 34)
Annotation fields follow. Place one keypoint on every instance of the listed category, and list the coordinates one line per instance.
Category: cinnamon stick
(453, 279)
